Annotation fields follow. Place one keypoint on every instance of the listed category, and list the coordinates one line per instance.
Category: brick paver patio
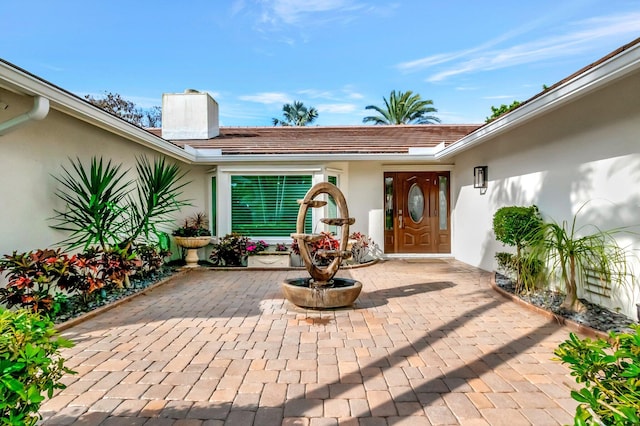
(428, 343)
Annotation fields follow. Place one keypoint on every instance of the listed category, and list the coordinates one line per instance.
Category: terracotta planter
(192, 244)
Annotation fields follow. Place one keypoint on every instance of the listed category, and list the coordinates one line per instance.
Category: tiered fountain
(322, 290)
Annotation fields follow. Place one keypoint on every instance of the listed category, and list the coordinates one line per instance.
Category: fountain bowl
(339, 293)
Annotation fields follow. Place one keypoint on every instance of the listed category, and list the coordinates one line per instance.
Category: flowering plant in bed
(255, 247)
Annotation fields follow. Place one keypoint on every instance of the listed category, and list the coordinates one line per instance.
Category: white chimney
(189, 115)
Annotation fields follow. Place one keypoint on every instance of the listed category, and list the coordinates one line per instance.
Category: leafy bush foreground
(30, 365)
(610, 373)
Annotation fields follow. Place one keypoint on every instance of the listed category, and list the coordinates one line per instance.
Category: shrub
(151, 258)
(610, 374)
(529, 270)
(36, 278)
(30, 364)
(231, 250)
(34, 275)
(517, 226)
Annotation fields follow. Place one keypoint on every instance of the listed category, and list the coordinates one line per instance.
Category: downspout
(38, 112)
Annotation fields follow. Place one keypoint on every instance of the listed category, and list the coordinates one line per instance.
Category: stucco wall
(33, 154)
(585, 152)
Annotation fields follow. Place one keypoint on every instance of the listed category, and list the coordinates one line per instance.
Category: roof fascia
(61, 100)
(591, 80)
(261, 158)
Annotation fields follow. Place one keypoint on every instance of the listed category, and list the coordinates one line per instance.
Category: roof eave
(68, 103)
(257, 158)
(593, 79)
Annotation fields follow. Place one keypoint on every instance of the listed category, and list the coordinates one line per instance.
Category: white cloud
(337, 108)
(293, 11)
(267, 98)
(581, 37)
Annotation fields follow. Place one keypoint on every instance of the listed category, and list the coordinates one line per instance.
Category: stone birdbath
(322, 290)
(192, 244)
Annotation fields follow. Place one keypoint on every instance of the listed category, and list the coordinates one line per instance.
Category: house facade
(409, 187)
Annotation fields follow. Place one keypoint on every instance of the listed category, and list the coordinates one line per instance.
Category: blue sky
(336, 55)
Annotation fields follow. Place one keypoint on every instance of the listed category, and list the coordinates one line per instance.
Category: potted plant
(192, 235)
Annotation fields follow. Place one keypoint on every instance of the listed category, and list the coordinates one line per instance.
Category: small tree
(502, 109)
(127, 110)
(117, 105)
(571, 256)
(516, 226)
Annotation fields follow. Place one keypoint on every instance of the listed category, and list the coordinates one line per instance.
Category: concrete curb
(102, 309)
(570, 324)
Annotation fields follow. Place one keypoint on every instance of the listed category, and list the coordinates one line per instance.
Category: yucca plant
(570, 254)
(104, 207)
(95, 213)
(158, 195)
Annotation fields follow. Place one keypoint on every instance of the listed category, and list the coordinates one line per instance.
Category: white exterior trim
(593, 79)
(61, 100)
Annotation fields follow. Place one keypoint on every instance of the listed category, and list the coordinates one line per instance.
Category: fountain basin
(339, 293)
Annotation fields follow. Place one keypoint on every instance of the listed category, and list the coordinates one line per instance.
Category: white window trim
(223, 176)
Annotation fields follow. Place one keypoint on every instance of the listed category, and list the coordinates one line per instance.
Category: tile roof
(329, 140)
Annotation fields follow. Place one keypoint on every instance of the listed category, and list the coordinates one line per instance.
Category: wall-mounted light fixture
(480, 177)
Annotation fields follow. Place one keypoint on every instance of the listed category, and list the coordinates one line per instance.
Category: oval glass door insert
(416, 203)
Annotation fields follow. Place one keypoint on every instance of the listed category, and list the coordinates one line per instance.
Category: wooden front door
(417, 218)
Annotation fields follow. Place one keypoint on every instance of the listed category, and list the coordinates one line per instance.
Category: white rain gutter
(617, 67)
(38, 112)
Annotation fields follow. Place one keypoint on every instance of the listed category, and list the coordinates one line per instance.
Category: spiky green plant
(570, 254)
(94, 212)
(104, 208)
(158, 195)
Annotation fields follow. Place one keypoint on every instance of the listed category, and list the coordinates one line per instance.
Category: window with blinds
(266, 206)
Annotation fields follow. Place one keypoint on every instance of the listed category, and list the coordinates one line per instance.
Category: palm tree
(296, 115)
(403, 108)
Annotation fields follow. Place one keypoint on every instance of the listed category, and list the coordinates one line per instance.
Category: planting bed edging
(575, 326)
(77, 320)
